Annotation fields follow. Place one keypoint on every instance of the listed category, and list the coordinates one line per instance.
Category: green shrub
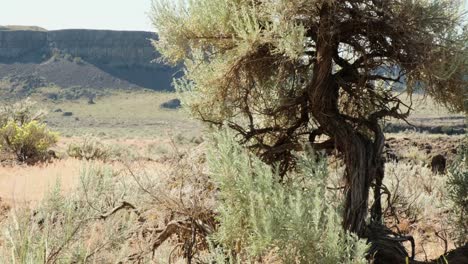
(298, 221)
(89, 149)
(23, 133)
(457, 183)
(29, 141)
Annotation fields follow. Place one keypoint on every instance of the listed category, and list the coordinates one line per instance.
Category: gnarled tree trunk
(362, 155)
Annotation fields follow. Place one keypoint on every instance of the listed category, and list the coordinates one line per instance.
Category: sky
(90, 14)
(67, 14)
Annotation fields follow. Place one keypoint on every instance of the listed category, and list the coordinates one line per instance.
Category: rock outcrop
(127, 55)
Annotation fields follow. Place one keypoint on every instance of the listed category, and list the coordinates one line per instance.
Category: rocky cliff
(127, 55)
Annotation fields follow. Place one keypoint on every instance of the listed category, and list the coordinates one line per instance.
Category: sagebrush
(297, 221)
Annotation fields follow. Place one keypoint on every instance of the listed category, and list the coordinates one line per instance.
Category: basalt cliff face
(127, 56)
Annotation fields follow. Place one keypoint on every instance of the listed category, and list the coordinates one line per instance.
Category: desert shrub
(457, 186)
(298, 220)
(28, 141)
(21, 112)
(415, 203)
(415, 191)
(90, 148)
(70, 228)
(23, 133)
(78, 60)
(68, 57)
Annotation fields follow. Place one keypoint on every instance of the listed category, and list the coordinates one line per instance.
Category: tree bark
(362, 156)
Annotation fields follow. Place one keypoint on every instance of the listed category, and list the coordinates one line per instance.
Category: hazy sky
(65, 14)
(92, 14)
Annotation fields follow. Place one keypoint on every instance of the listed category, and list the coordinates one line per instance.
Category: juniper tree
(284, 72)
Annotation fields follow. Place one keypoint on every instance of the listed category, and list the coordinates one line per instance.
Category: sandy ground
(28, 184)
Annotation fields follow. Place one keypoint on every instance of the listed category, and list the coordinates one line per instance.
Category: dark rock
(52, 96)
(59, 110)
(390, 155)
(438, 164)
(171, 104)
(427, 148)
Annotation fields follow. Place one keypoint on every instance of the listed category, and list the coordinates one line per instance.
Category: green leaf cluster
(27, 141)
(298, 221)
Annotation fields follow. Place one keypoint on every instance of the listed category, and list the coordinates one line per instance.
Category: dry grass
(420, 207)
(161, 192)
(418, 195)
(122, 115)
(27, 185)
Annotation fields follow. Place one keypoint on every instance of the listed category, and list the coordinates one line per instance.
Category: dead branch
(123, 205)
(171, 228)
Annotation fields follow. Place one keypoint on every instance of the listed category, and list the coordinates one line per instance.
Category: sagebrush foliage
(457, 183)
(89, 149)
(297, 221)
(68, 228)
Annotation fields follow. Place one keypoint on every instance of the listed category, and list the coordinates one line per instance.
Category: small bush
(78, 60)
(89, 149)
(68, 57)
(21, 112)
(23, 133)
(29, 142)
(457, 184)
(298, 221)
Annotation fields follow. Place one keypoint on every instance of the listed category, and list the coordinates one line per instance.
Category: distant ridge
(83, 57)
(28, 28)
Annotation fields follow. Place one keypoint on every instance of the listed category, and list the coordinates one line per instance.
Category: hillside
(86, 58)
